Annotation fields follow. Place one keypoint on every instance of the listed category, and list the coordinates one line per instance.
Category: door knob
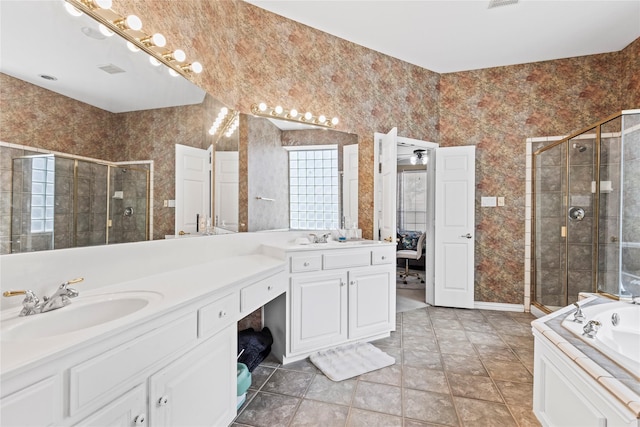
(468, 235)
(388, 239)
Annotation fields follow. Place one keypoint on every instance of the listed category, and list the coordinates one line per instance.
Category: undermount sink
(82, 313)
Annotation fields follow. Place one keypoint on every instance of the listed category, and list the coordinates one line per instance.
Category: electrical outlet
(500, 201)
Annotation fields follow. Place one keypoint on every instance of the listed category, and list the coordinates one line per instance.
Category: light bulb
(104, 30)
(414, 160)
(212, 131)
(424, 160)
(133, 23)
(196, 67)
(262, 106)
(173, 72)
(154, 61)
(132, 47)
(279, 109)
(308, 115)
(179, 55)
(322, 119)
(293, 113)
(334, 121)
(103, 4)
(72, 10)
(224, 111)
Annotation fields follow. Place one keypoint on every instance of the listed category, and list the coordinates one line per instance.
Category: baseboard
(498, 306)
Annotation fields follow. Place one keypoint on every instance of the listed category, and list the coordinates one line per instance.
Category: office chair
(408, 254)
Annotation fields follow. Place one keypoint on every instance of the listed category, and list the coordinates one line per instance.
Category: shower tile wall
(609, 217)
(64, 206)
(549, 245)
(92, 204)
(631, 206)
(579, 238)
(133, 184)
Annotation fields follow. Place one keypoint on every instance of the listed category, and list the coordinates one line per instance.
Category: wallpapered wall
(250, 55)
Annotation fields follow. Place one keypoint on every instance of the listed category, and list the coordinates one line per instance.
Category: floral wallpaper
(251, 55)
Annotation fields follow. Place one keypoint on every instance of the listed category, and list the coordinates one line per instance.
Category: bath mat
(350, 360)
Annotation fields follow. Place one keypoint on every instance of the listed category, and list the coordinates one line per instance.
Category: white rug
(409, 299)
(350, 360)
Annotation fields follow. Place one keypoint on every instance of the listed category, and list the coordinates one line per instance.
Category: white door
(193, 187)
(226, 190)
(388, 170)
(350, 185)
(454, 226)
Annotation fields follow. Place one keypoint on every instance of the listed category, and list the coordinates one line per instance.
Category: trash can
(244, 382)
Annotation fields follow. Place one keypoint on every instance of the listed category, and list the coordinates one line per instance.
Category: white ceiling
(40, 37)
(458, 35)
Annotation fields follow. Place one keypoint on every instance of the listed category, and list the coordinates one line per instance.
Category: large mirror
(68, 89)
(299, 176)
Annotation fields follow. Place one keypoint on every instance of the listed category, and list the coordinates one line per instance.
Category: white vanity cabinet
(335, 296)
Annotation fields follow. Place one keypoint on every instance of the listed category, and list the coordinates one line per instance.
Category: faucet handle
(578, 316)
(73, 281)
(29, 304)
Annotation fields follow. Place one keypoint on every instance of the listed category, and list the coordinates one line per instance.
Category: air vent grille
(498, 3)
(111, 69)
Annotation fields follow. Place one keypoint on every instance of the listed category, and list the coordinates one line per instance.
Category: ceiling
(41, 38)
(458, 35)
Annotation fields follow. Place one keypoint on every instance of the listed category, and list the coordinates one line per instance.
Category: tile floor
(454, 367)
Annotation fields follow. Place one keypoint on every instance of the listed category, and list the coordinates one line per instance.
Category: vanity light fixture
(278, 112)
(419, 156)
(225, 122)
(130, 28)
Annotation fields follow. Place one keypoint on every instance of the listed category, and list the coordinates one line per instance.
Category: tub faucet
(578, 316)
(591, 328)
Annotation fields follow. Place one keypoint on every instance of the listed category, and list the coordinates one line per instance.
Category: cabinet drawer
(213, 317)
(382, 256)
(93, 378)
(260, 293)
(345, 259)
(300, 264)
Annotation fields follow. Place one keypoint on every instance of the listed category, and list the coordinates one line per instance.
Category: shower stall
(60, 202)
(586, 213)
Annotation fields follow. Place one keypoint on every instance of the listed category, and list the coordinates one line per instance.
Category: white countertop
(295, 245)
(171, 289)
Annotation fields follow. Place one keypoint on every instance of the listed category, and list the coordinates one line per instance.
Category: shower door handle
(468, 235)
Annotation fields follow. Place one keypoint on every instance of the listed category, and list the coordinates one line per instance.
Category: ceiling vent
(498, 3)
(111, 69)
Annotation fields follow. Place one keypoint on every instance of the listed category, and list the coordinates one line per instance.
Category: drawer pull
(163, 401)
(222, 314)
(139, 420)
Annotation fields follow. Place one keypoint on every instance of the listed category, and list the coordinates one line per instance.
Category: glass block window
(313, 189)
(42, 194)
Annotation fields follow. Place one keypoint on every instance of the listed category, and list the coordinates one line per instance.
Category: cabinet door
(199, 388)
(371, 302)
(318, 311)
(39, 404)
(126, 411)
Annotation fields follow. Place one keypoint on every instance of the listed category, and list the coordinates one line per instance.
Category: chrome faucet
(32, 304)
(591, 328)
(319, 239)
(578, 316)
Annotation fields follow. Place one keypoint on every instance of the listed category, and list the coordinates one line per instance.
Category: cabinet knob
(269, 287)
(384, 257)
(353, 282)
(222, 314)
(139, 420)
(163, 401)
(306, 264)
